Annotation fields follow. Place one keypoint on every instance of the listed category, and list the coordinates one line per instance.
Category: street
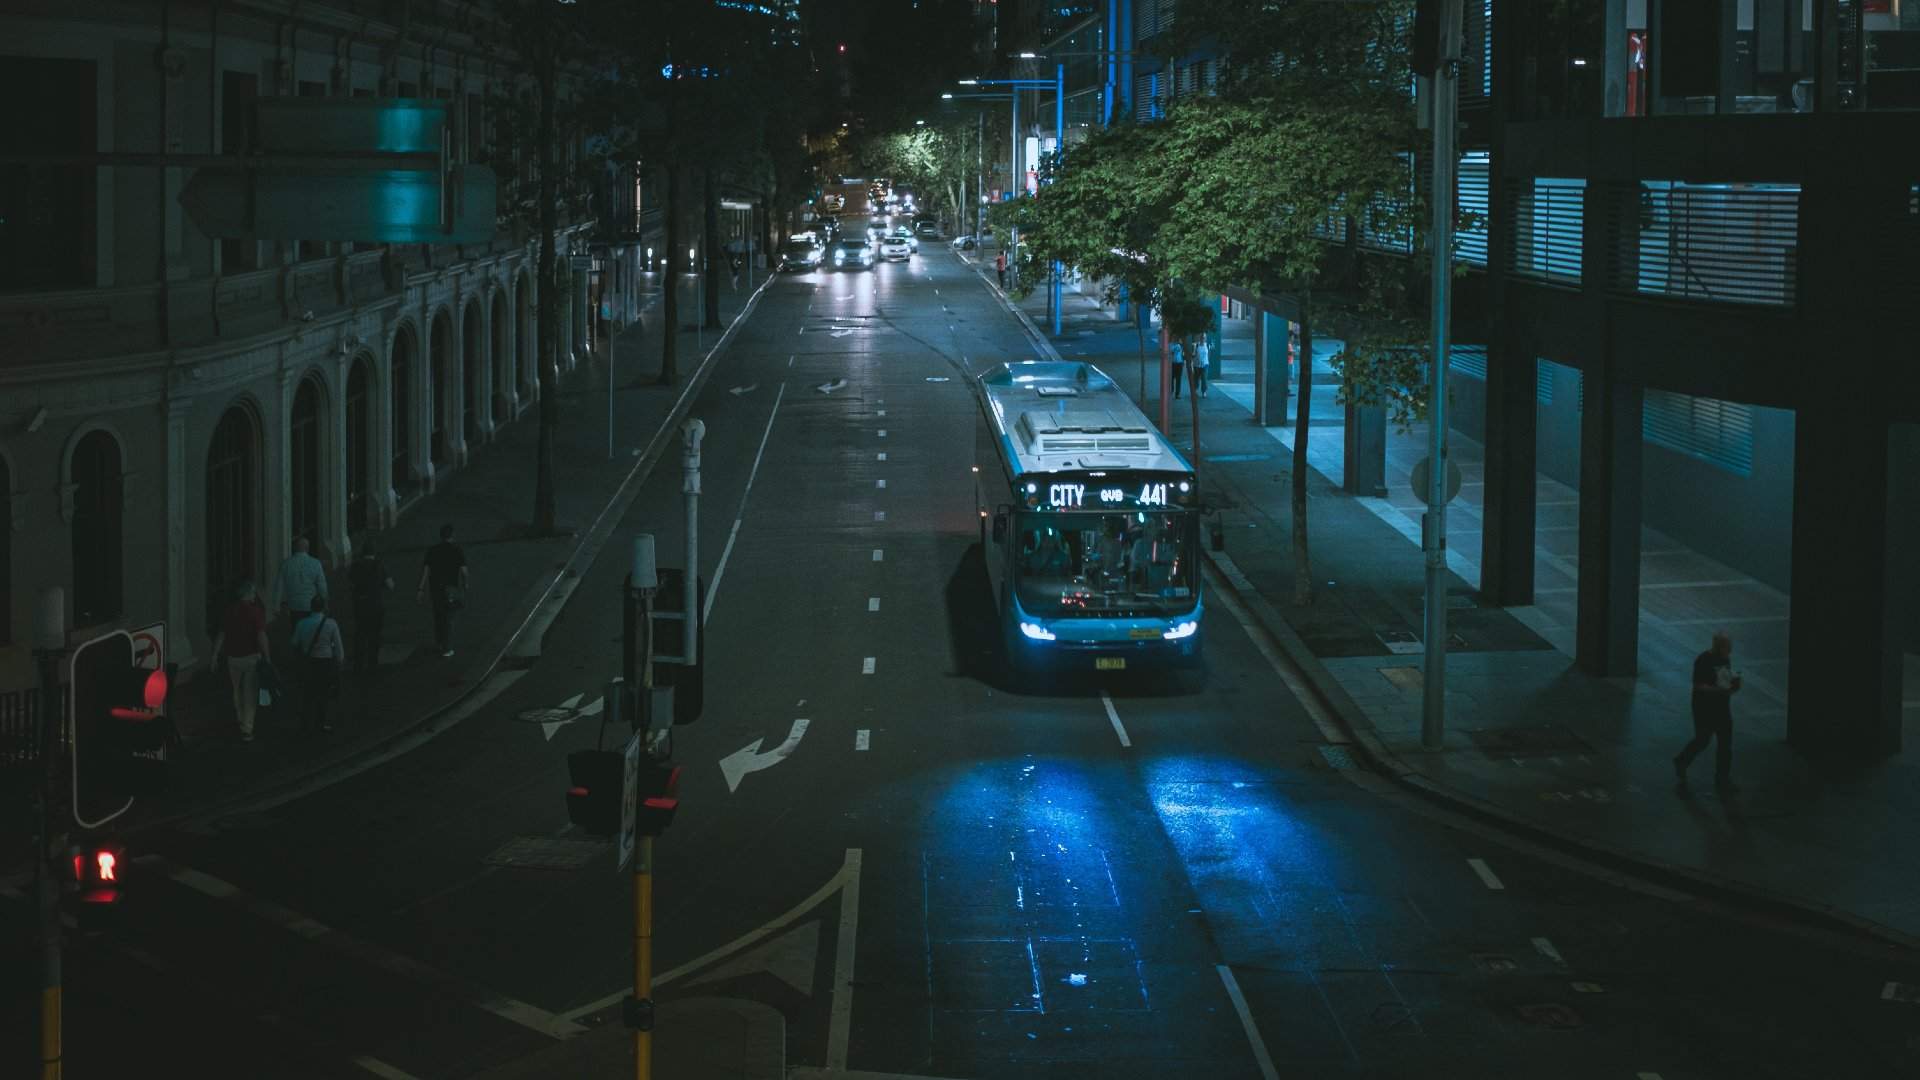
(926, 869)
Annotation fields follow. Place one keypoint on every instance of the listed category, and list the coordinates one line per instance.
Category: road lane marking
(1260, 1055)
(883, 433)
(749, 759)
(382, 1069)
(1485, 873)
(862, 738)
(873, 603)
(1547, 950)
(879, 515)
(881, 412)
(866, 666)
(790, 359)
(1646, 1076)
(719, 571)
(1295, 683)
(880, 484)
(849, 871)
(1113, 717)
(841, 1024)
(376, 956)
(882, 457)
(878, 555)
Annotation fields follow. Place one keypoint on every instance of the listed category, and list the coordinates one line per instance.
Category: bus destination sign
(1110, 494)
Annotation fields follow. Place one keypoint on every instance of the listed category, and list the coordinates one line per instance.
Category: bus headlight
(1037, 632)
(1182, 630)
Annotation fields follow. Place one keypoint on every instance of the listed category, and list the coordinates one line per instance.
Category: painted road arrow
(747, 389)
(830, 387)
(552, 720)
(749, 759)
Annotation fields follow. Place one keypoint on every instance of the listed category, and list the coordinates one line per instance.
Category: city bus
(1090, 522)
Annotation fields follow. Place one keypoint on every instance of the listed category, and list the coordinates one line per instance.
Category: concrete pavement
(1531, 740)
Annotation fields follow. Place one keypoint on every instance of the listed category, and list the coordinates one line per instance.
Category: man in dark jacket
(443, 581)
(1714, 684)
(371, 583)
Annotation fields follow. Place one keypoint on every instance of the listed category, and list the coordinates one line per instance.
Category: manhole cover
(546, 853)
(1538, 740)
(1337, 756)
(1549, 1015)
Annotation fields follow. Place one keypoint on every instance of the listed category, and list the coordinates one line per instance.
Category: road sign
(150, 647)
(1420, 473)
(629, 803)
(363, 169)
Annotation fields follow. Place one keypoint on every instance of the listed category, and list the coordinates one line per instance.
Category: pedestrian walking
(1714, 684)
(443, 582)
(1000, 268)
(301, 578)
(316, 640)
(1177, 357)
(1202, 361)
(242, 644)
(371, 584)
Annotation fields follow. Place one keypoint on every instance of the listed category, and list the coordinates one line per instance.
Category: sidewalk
(489, 502)
(694, 1039)
(1530, 739)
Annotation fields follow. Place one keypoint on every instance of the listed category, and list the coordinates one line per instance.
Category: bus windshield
(1105, 564)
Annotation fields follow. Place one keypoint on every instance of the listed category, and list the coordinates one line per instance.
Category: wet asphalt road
(945, 875)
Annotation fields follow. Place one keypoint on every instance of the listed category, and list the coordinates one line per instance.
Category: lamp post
(1059, 85)
(980, 213)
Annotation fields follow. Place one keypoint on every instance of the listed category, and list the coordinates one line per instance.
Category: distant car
(801, 255)
(962, 243)
(853, 254)
(927, 230)
(906, 234)
(895, 247)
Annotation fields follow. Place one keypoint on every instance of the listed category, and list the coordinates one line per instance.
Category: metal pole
(641, 582)
(980, 163)
(1019, 183)
(52, 633)
(1446, 100)
(692, 430)
(643, 952)
(1059, 155)
(609, 358)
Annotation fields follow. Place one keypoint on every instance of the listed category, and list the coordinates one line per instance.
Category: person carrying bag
(317, 638)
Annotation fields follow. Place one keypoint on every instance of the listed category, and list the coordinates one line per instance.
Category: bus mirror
(1000, 525)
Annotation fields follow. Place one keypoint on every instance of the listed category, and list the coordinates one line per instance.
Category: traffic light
(659, 797)
(99, 874)
(120, 728)
(597, 780)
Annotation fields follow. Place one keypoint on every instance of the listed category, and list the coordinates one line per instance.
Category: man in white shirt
(301, 580)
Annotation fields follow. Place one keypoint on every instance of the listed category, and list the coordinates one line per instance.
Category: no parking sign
(150, 647)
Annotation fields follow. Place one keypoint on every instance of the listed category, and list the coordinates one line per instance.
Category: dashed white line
(879, 483)
(866, 666)
(382, 1069)
(1547, 950)
(882, 457)
(862, 739)
(1260, 1055)
(1113, 717)
(879, 515)
(873, 603)
(1485, 873)
(883, 433)
(878, 555)
(880, 412)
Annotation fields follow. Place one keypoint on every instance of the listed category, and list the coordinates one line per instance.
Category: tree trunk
(1140, 331)
(670, 286)
(1302, 562)
(548, 301)
(715, 255)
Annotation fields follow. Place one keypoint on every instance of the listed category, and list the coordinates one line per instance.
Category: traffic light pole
(50, 653)
(643, 955)
(638, 664)
(1446, 162)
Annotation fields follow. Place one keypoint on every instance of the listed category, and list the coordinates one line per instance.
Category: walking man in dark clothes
(443, 581)
(371, 584)
(1714, 684)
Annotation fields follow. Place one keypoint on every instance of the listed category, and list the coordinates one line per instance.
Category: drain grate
(1493, 963)
(1338, 757)
(1550, 1014)
(546, 853)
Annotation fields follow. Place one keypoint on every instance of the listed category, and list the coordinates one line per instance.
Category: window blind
(1715, 431)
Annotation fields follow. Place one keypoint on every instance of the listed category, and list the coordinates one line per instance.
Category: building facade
(175, 409)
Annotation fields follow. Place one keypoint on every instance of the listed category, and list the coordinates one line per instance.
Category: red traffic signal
(99, 874)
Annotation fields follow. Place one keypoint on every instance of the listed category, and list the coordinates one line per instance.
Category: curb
(1381, 759)
(1034, 334)
(550, 594)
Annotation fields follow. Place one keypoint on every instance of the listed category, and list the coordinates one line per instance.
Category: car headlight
(1182, 630)
(1036, 631)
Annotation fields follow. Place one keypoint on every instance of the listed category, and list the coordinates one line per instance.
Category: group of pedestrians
(1202, 365)
(315, 646)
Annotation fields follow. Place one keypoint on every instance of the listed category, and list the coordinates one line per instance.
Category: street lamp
(1059, 85)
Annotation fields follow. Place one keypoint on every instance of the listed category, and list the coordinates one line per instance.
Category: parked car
(853, 254)
(802, 255)
(896, 247)
(962, 243)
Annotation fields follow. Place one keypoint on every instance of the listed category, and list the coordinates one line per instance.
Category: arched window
(233, 502)
(97, 506)
(502, 358)
(303, 461)
(400, 398)
(359, 476)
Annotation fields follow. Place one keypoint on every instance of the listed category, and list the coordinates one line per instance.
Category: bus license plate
(1143, 633)
(1110, 663)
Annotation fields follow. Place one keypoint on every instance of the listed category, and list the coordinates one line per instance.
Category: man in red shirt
(243, 641)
